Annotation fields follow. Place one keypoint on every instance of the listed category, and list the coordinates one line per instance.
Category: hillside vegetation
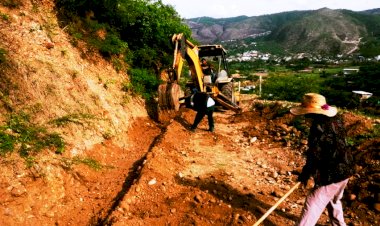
(65, 115)
(56, 77)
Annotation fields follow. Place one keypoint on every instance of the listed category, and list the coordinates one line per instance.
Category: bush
(4, 16)
(22, 135)
(290, 87)
(143, 82)
(3, 55)
(12, 3)
(143, 27)
(76, 118)
(113, 45)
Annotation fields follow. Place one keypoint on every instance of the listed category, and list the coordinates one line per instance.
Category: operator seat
(222, 76)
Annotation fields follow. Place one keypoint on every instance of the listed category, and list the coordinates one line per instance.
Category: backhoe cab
(218, 84)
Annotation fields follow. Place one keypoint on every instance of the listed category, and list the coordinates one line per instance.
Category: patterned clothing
(330, 162)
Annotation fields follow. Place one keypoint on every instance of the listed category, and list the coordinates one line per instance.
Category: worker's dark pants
(200, 114)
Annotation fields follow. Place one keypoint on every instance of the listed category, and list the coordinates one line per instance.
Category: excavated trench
(103, 216)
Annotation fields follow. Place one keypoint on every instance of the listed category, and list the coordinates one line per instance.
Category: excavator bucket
(168, 101)
(225, 102)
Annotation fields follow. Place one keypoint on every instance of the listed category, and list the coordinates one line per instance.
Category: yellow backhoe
(220, 86)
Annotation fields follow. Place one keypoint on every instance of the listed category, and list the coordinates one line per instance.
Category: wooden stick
(277, 203)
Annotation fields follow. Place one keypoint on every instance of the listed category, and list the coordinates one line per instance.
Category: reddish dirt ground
(230, 177)
(172, 176)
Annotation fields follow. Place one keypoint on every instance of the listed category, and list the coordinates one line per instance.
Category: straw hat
(314, 103)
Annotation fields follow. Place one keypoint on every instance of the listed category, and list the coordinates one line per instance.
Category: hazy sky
(231, 8)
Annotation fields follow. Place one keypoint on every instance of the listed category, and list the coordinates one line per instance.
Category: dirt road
(219, 178)
(229, 177)
(172, 176)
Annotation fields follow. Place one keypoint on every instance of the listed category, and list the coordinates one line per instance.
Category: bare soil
(169, 175)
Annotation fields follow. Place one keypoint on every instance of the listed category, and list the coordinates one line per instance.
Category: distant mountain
(322, 31)
(371, 11)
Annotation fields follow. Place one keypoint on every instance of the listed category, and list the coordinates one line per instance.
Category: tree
(139, 30)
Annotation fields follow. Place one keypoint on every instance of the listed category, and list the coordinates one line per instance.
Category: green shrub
(143, 82)
(110, 45)
(20, 134)
(290, 87)
(7, 142)
(139, 29)
(67, 163)
(72, 118)
(4, 16)
(54, 140)
(12, 3)
(113, 45)
(92, 163)
(3, 53)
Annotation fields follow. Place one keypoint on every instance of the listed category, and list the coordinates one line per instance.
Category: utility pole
(260, 85)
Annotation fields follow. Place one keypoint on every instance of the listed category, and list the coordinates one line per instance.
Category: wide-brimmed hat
(314, 103)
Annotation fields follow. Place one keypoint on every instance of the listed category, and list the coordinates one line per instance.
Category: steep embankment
(44, 72)
(44, 76)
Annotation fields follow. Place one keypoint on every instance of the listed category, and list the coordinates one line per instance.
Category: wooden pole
(277, 203)
(260, 86)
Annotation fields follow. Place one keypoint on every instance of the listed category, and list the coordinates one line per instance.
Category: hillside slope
(325, 31)
(44, 77)
(43, 72)
(322, 31)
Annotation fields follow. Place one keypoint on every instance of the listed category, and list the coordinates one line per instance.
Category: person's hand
(307, 181)
(310, 183)
(303, 179)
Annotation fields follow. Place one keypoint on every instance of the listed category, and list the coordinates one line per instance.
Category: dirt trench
(103, 216)
(66, 190)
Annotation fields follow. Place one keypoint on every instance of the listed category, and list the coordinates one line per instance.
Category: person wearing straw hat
(328, 160)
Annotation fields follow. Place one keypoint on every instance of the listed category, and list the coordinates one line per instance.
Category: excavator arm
(185, 50)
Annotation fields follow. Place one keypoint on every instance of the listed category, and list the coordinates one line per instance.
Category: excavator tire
(228, 91)
(168, 96)
(168, 101)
